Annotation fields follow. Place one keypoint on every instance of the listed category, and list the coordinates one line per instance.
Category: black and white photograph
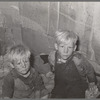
(49, 50)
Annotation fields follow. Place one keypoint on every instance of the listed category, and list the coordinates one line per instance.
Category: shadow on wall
(3, 44)
(36, 41)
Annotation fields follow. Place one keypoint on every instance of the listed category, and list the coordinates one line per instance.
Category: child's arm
(52, 57)
(90, 72)
(8, 87)
(86, 66)
(92, 81)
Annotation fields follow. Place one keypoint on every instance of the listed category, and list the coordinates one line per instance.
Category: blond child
(22, 81)
(70, 81)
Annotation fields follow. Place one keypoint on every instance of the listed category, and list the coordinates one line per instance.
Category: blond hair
(63, 36)
(17, 52)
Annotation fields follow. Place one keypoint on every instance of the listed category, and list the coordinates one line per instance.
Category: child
(69, 83)
(22, 81)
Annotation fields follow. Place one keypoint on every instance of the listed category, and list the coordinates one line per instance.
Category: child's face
(22, 65)
(65, 49)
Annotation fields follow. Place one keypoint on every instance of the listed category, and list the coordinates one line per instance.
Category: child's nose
(23, 65)
(65, 50)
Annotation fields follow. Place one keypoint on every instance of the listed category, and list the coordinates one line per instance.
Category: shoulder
(12, 74)
(78, 58)
(8, 78)
(82, 60)
(52, 53)
(51, 57)
(34, 73)
(79, 54)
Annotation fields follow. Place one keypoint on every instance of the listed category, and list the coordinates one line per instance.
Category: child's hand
(92, 86)
(50, 75)
(44, 97)
(92, 92)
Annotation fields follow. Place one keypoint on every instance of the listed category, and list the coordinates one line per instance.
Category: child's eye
(18, 63)
(26, 61)
(70, 47)
(62, 46)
